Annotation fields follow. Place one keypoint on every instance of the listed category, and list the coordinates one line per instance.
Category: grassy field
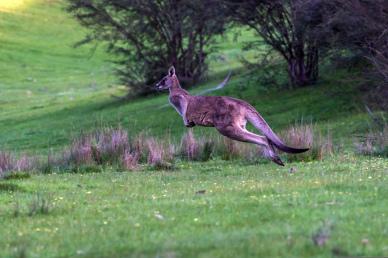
(51, 92)
(246, 211)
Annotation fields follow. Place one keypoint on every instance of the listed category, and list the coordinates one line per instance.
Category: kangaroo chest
(179, 103)
(201, 111)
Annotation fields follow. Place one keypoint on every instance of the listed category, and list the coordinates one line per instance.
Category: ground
(50, 92)
(217, 209)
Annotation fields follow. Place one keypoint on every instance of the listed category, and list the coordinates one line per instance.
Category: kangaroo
(228, 115)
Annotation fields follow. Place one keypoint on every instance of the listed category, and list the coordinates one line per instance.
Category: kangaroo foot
(277, 160)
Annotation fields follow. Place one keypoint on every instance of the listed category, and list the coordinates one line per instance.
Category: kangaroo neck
(177, 89)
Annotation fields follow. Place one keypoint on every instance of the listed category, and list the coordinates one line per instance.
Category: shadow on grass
(9, 187)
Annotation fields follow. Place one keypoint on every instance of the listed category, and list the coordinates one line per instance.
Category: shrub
(306, 136)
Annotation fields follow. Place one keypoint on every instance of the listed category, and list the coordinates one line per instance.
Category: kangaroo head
(168, 81)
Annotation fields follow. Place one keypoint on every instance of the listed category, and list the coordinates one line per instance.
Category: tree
(279, 24)
(356, 29)
(360, 26)
(150, 35)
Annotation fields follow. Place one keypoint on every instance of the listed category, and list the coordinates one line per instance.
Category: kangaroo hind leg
(235, 132)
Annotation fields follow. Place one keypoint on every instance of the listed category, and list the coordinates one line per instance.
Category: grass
(246, 211)
(51, 92)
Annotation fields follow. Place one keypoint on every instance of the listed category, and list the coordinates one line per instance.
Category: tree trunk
(303, 69)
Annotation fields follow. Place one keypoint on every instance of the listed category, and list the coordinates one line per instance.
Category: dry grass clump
(229, 149)
(6, 162)
(80, 151)
(110, 145)
(130, 161)
(306, 136)
(190, 147)
(160, 154)
(204, 148)
(104, 147)
(373, 143)
(9, 163)
(139, 145)
(198, 149)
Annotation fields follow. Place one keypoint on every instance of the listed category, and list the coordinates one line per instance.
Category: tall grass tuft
(189, 146)
(110, 145)
(104, 147)
(306, 136)
(40, 205)
(229, 149)
(160, 154)
(130, 161)
(80, 152)
(139, 145)
(373, 143)
(9, 163)
(6, 162)
(207, 148)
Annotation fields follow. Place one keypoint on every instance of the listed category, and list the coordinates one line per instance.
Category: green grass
(50, 92)
(246, 211)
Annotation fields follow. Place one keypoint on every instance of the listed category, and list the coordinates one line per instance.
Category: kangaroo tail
(259, 123)
(218, 87)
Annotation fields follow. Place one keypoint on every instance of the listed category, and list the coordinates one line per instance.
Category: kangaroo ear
(171, 71)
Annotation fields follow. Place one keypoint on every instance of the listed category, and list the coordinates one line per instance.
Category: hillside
(51, 91)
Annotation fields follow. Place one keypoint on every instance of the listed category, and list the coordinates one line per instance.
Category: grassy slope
(49, 91)
(42, 74)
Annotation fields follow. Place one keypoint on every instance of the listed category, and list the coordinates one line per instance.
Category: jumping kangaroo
(228, 115)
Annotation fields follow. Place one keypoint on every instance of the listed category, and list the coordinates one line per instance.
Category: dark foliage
(279, 24)
(358, 26)
(149, 36)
